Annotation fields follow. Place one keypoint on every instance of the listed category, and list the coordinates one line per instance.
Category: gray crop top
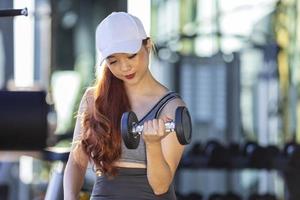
(139, 155)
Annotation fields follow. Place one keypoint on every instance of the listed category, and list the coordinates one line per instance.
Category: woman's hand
(154, 130)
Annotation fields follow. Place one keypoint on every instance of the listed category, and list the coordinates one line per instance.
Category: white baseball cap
(119, 32)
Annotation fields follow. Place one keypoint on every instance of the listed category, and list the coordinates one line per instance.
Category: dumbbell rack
(251, 156)
(227, 196)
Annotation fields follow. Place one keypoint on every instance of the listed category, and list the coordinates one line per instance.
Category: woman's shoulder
(89, 94)
(176, 102)
(87, 98)
(170, 107)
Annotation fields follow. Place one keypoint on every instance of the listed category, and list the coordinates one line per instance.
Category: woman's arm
(78, 160)
(73, 178)
(163, 150)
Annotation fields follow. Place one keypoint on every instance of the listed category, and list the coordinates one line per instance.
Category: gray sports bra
(139, 155)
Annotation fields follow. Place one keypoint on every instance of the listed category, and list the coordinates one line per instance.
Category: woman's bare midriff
(130, 165)
(125, 165)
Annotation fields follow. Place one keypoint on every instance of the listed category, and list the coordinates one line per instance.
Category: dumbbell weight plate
(292, 153)
(257, 155)
(131, 140)
(183, 125)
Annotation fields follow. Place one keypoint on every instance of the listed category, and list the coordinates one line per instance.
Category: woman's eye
(132, 56)
(112, 62)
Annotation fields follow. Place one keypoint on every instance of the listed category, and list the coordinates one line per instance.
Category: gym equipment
(273, 153)
(216, 196)
(237, 160)
(234, 149)
(231, 196)
(292, 153)
(13, 12)
(262, 197)
(196, 150)
(256, 155)
(55, 185)
(194, 157)
(218, 156)
(25, 126)
(193, 196)
(131, 131)
(23, 120)
(225, 196)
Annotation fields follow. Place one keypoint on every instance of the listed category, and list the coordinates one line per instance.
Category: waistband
(125, 171)
(131, 171)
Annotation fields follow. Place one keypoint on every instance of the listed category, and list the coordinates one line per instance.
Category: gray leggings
(131, 184)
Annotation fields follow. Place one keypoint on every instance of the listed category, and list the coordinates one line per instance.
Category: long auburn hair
(101, 137)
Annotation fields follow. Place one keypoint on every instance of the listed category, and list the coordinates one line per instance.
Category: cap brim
(132, 46)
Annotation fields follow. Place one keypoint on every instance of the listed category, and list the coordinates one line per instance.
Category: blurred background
(235, 64)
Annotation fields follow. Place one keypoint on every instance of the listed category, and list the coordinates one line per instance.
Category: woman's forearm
(158, 171)
(73, 180)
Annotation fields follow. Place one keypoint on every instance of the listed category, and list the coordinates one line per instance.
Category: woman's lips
(130, 76)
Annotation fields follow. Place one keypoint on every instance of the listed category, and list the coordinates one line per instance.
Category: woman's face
(130, 67)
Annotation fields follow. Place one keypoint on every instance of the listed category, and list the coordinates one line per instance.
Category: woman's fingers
(154, 130)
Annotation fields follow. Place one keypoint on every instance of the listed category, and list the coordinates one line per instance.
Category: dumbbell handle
(138, 129)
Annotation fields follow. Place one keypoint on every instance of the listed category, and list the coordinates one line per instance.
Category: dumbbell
(273, 153)
(256, 155)
(131, 131)
(218, 155)
(262, 197)
(193, 196)
(196, 150)
(232, 196)
(216, 196)
(292, 154)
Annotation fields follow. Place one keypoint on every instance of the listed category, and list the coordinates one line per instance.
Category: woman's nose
(125, 66)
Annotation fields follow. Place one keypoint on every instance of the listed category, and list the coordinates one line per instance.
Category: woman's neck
(148, 86)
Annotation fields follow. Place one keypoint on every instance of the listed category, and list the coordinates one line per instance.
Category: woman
(125, 84)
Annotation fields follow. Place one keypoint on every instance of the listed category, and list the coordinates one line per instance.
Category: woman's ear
(149, 45)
